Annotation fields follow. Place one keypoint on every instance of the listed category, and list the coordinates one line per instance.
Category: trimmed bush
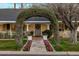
(47, 32)
(30, 33)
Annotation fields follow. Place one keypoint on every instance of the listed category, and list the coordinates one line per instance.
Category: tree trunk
(19, 41)
(74, 36)
(19, 35)
(56, 33)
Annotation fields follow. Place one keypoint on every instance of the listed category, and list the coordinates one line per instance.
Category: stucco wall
(13, 28)
(25, 26)
(43, 27)
(31, 27)
(1, 27)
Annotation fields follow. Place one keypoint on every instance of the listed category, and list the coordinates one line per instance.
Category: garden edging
(23, 53)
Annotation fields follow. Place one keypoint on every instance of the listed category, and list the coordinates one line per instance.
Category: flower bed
(48, 46)
(27, 46)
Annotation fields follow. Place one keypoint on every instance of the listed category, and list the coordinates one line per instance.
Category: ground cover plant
(65, 45)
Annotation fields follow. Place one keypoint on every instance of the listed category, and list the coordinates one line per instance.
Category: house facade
(33, 24)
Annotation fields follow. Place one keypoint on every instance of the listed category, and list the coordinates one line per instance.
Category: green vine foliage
(31, 12)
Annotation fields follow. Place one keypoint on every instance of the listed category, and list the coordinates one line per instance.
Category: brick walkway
(37, 45)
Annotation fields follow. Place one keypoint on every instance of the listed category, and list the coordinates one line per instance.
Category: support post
(10, 31)
(27, 27)
(48, 27)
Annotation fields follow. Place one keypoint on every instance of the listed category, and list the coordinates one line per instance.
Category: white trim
(7, 21)
(75, 21)
(72, 21)
(36, 21)
(28, 21)
(59, 21)
(24, 21)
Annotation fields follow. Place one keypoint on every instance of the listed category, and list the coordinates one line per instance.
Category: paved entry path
(37, 45)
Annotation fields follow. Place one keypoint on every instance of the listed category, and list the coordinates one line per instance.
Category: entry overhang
(37, 22)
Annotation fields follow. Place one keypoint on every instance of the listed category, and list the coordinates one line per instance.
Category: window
(16, 5)
(27, 5)
(6, 5)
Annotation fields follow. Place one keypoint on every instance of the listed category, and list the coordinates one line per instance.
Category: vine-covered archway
(27, 13)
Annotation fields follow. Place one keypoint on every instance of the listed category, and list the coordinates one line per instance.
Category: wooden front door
(37, 29)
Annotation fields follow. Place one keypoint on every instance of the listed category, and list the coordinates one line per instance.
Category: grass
(65, 45)
(9, 45)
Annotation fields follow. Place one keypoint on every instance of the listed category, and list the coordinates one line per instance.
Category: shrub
(30, 33)
(53, 41)
(47, 32)
(59, 48)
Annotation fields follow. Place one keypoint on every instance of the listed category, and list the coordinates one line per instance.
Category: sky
(11, 5)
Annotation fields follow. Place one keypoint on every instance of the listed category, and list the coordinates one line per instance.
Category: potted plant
(45, 36)
(30, 35)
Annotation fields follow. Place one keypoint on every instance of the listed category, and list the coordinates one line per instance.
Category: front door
(37, 29)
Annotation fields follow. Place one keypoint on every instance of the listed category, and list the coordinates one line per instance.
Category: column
(10, 31)
(34, 30)
(27, 27)
(41, 29)
(48, 27)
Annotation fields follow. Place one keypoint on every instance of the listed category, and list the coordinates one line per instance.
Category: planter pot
(45, 37)
(29, 37)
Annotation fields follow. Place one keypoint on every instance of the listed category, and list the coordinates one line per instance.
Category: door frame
(39, 29)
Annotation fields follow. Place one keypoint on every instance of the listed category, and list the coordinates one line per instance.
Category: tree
(67, 13)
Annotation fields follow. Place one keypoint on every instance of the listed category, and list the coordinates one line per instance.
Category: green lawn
(65, 45)
(9, 45)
